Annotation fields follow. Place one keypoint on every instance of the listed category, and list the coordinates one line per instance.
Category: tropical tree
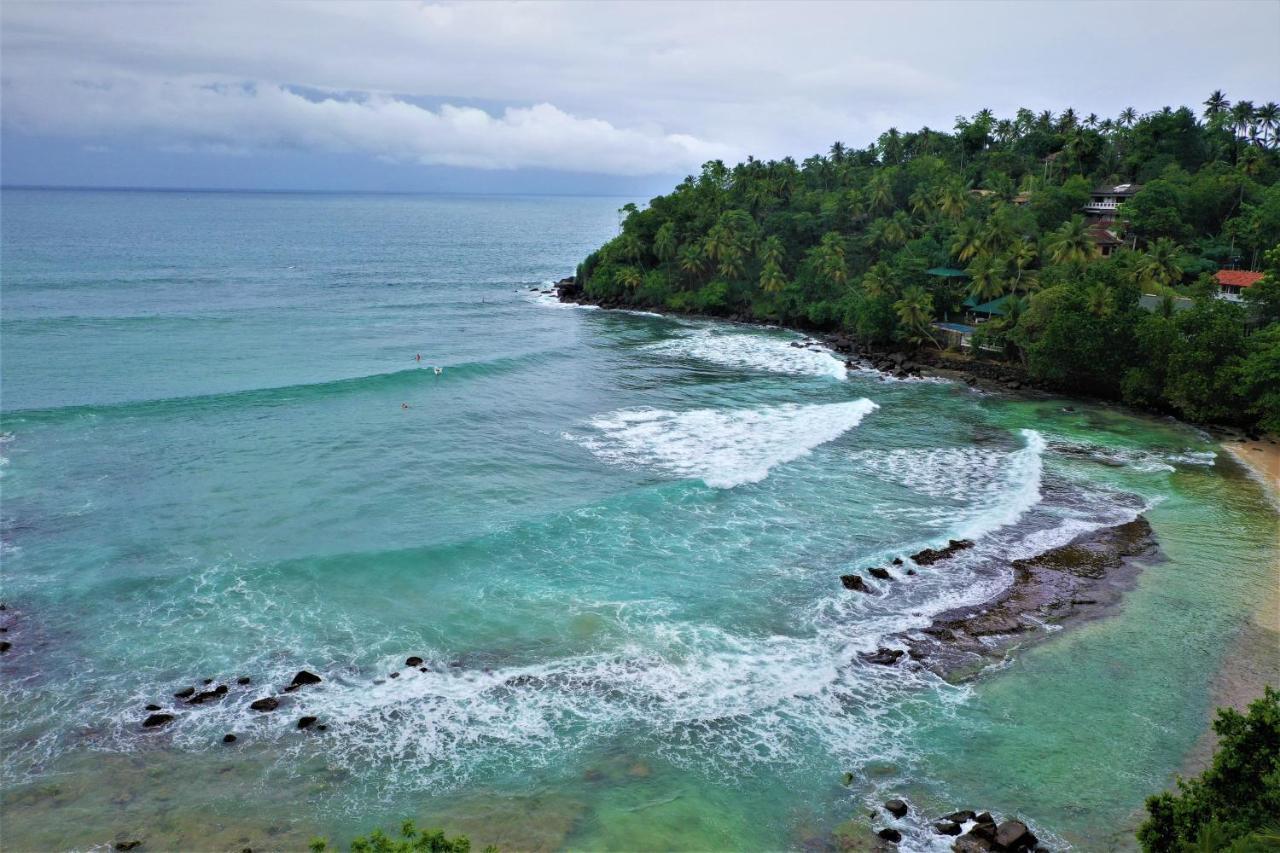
(1128, 116)
(1159, 265)
(967, 241)
(915, 314)
(664, 242)
(953, 199)
(1216, 105)
(629, 277)
(986, 278)
(878, 281)
(1100, 300)
(831, 258)
(880, 191)
(1071, 242)
(772, 251)
(772, 279)
(692, 261)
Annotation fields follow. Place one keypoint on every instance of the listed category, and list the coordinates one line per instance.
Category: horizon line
(276, 191)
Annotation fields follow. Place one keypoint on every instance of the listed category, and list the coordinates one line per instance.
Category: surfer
(439, 370)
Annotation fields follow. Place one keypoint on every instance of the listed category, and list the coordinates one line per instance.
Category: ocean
(247, 434)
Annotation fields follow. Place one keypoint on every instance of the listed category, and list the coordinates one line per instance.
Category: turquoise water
(615, 539)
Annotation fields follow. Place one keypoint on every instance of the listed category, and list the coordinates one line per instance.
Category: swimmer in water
(419, 358)
(404, 405)
(439, 370)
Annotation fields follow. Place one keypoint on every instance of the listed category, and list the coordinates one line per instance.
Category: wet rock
(946, 827)
(1014, 835)
(846, 779)
(152, 707)
(185, 693)
(884, 657)
(156, 720)
(897, 561)
(306, 722)
(970, 843)
(5, 645)
(128, 845)
(890, 834)
(228, 738)
(930, 556)
(524, 680)
(393, 675)
(244, 679)
(962, 816)
(322, 728)
(423, 669)
(304, 677)
(882, 574)
(855, 583)
(413, 660)
(897, 808)
(268, 704)
(911, 572)
(207, 696)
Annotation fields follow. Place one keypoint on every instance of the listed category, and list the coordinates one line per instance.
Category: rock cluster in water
(974, 832)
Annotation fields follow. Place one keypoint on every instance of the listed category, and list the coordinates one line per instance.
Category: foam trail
(752, 352)
(723, 448)
(1022, 488)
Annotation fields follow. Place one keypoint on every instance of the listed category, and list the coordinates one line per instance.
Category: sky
(566, 97)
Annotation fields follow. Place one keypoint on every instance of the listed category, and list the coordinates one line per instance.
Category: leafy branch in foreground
(411, 840)
(1235, 804)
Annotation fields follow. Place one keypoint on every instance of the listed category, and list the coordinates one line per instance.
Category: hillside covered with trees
(854, 241)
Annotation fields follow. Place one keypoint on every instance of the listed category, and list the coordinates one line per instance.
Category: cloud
(238, 117)
(625, 88)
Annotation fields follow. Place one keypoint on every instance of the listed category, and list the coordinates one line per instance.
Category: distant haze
(566, 97)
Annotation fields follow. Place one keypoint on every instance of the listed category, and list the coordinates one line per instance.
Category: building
(1232, 283)
(1105, 201)
(1105, 237)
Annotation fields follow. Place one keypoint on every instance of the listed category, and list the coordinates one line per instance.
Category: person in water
(419, 359)
(404, 405)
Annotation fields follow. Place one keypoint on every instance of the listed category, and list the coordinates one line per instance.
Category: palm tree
(1242, 117)
(880, 191)
(837, 152)
(772, 251)
(952, 199)
(1071, 243)
(664, 242)
(986, 278)
(1160, 263)
(1021, 256)
(967, 241)
(921, 203)
(831, 260)
(1092, 121)
(1128, 116)
(878, 281)
(693, 262)
(628, 277)
(1099, 300)
(915, 313)
(771, 278)
(1268, 116)
(1215, 105)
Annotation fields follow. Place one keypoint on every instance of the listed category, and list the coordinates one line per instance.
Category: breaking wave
(723, 448)
(749, 351)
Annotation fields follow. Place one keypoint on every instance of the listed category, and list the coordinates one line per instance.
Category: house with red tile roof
(1232, 283)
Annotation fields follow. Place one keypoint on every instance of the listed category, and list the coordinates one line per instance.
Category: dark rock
(946, 827)
(306, 722)
(971, 844)
(157, 720)
(393, 675)
(322, 728)
(897, 561)
(897, 808)
(5, 645)
(455, 663)
(207, 681)
(152, 707)
(414, 660)
(304, 677)
(423, 669)
(890, 834)
(221, 689)
(882, 574)
(855, 583)
(984, 817)
(1014, 835)
(884, 657)
(127, 845)
(962, 816)
(911, 571)
(185, 693)
(930, 556)
(268, 704)
(244, 679)
(205, 696)
(228, 738)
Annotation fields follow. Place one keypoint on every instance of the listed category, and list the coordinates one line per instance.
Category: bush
(411, 841)
(1235, 804)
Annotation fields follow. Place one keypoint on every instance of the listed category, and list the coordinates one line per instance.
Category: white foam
(722, 447)
(752, 351)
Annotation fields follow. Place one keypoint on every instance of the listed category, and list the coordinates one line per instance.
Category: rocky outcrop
(855, 583)
(929, 556)
(269, 703)
(1079, 580)
(157, 720)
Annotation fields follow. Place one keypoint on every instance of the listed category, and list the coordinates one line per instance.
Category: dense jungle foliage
(844, 242)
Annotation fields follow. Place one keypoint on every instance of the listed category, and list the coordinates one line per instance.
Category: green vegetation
(411, 840)
(1235, 805)
(846, 242)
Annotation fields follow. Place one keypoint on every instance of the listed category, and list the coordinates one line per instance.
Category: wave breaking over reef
(722, 447)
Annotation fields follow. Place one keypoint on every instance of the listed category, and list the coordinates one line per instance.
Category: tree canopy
(843, 241)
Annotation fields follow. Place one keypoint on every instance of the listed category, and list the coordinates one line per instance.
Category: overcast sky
(566, 97)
